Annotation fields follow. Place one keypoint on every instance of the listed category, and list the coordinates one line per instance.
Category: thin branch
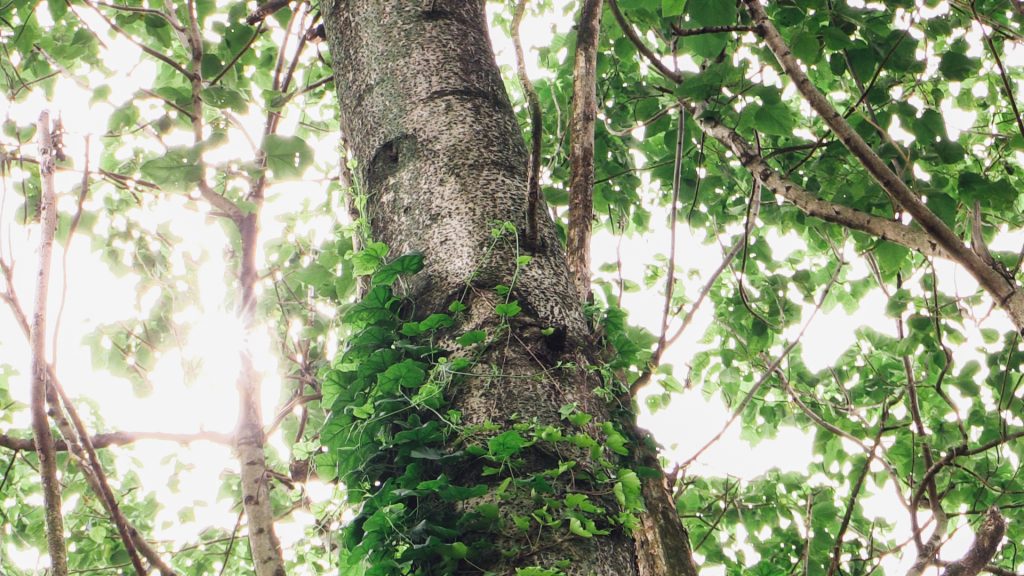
(684, 32)
(141, 10)
(858, 483)
(265, 10)
(959, 452)
(767, 373)
(1007, 86)
(300, 91)
(925, 551)
(237, 57)
(670, 274)
(40, 423)
(533, 196)
(158, 55)
(651, 58)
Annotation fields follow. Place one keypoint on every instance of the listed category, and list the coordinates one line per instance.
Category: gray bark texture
(442, 162)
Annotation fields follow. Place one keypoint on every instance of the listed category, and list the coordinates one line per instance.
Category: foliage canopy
(197, 120)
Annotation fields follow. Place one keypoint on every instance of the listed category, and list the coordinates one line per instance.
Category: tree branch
(119, 438)
(986, 543)
(684, 32)
(651, 58)
(811, 205)
(1002, 289)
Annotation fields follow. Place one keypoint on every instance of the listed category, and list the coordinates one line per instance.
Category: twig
(1007, 87)
(855, 492)
(767, 373)
(158, 55)
(230, 65)
(630, 33)
(82, 193)
(141, 10)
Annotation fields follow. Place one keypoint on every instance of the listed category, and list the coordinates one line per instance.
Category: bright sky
(195, 388)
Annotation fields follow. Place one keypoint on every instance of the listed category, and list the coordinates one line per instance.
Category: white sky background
(212, 334)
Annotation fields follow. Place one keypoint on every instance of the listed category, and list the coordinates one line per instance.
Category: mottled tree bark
(442, 163)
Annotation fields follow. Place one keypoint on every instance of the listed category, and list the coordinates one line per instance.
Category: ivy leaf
(508, 309)
(402, 266)
(471, 337)
(367, 260)
(405, 374)
(505, 445)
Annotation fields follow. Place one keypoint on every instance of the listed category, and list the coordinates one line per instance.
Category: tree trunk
(442, 163)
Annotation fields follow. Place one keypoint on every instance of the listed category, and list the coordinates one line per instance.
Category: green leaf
(287, 156)
(177, 170)
(405, 265)
(712, 12)
(775, 120)
(367, 260)
(670, 8)
(957, 66)
(405, 374)
(576, 527)
(222, 97)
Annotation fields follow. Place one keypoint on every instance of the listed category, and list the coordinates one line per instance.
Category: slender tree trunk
(40, 378)
(442, 164)
(581, 149)
(249, 443)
